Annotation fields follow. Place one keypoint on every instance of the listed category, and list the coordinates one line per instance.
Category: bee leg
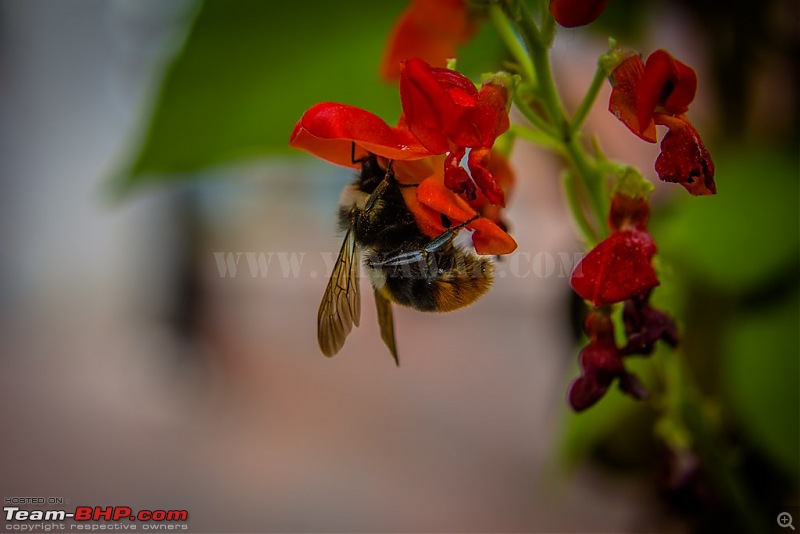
(428, 253)
(445, 237)
(353, 159)
(373, 198)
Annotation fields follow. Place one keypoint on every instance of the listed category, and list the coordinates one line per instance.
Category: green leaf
(762, 379)
(615, 413)
(749, 231)
(250, 68)
(248, 71)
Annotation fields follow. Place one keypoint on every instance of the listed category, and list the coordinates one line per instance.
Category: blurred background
(149, 360)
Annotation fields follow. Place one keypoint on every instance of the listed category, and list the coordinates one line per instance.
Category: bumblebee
(404, 265)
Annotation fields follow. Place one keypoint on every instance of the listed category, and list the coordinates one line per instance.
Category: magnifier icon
(785, 520)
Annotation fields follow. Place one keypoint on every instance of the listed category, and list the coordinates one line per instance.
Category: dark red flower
(619, 267)
(448, 115)
(601, 363)
(659, 92)
(644, 325)
(572, 13)
(428, 29)
(684, 158)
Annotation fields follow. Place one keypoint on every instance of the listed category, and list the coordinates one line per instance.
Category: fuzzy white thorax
(351, 197)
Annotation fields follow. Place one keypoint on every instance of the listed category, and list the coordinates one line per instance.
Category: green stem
(592, 181)
(510, 38)
(533, 117)
(548, 31)
(576, 208)
(585, 170)
(685, 403)
(539, 53)
(538, 137)
(588, 100)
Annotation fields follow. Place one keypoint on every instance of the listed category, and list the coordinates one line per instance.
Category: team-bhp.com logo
(96, 514)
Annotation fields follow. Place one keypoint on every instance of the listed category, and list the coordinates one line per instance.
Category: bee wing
(341, 304)
(386, 322)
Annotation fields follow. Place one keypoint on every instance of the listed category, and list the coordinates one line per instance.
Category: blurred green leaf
(247, 72)
(735, 240)
(249, 69)
(762, 379)
(613, 414)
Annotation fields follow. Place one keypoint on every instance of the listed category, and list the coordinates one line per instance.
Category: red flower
(685, 159)
(659, 92)
(601, 363)
(427, 29)
(432, 98)
(489, 235)
(619, 267)
(447, 114)
(571, 13)
(644, 325)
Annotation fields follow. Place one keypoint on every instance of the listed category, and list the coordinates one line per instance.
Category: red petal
(644, 325)
(617, 269)
(456, 178)
(328, 130)
(584, 392)
(483, 124)
(428, 105)
(601, 360)
(428, 219)
(428, 29)
(443, 108)
(488, 238)
(684, 158)
(622, 103)
(666, 84)
(478, 162)
(571, 13)
(628, 212)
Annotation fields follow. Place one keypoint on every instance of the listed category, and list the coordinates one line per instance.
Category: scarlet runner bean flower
(659, 92)
(443, 116)
(448, 115)
(619, 267)
(601, 363)
(644, 325)
(431, 30)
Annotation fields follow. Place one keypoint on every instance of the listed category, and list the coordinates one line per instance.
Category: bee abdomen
(458, 286)
(464, 284)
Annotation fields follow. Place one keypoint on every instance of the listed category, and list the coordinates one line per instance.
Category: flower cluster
(659, 91)
(619, 269)
(444, 117)
(601, 363)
